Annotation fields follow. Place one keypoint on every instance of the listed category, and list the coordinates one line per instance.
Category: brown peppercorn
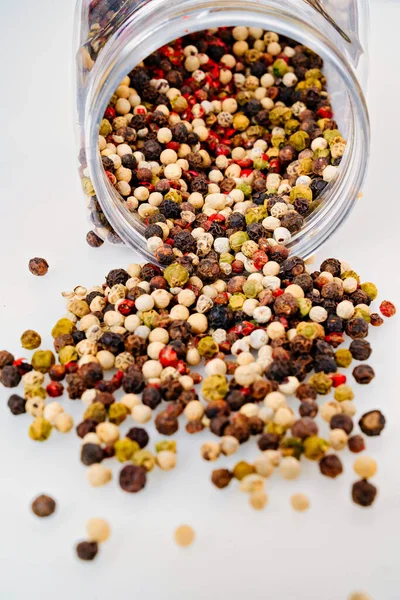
(166, 424)
(57, 372)
(135, 345)
(117, 276)
(372, 423)
(356, 443)
(363, 493)
(6, 358)
(75, 386)
(363, 374)
(171, 389)
(218, 425)
(255, 425)
(342, 421)
(304, 427)
(94, 240)
(331, 466)
(87, 426)
(217, 408)
(87, 550)
(10, 376)
(286, 305)
(132, 478)
(63, 340)
(301, 345)
(308, 409)
(376, 320)
(38, 266)
(305, 392)
(43, 506)
(221, 478)
(259, 389)
(151, 397)
(194, 427)
(105, 398)
(268, 441)
(91, 373)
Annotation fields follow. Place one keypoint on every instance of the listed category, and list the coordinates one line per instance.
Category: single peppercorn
(372, 423)
(363, 493)
(30, 340)
(38, 266)
(132, 478)
(221, 478)
(87, 550)
(139, 435)
(16, 404)
(356, 443)
(91, 454)
(10, 376)
(342, 421)
(43, 506)
(360, 349)
(331, 466)
(363, 374)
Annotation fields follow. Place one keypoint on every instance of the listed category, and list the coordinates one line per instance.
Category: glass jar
(116, 35)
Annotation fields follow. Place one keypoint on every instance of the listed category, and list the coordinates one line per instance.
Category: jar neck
(155, 24)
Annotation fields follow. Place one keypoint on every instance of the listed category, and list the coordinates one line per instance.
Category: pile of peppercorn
(218, 141)
(272, 344)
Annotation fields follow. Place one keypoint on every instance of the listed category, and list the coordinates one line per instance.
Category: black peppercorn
(94, 240)
(357, 328)
(133, 381)
(75, 386)
(91, 373)
(112, 342)
(16, 404)
(132, 478)
(87, 426)
(151, 397)
(360, 349)
(91, 454)
(139, 435)
(304, 428)
(331, 265)
(372, 423)
(117, 276)
(10, 376)
(308, 409)
(166, 424)
(363, 493)
(87, 550)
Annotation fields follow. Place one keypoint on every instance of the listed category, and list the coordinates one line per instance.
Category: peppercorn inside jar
(219, 143)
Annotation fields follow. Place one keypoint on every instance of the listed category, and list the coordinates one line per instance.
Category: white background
(324, 554)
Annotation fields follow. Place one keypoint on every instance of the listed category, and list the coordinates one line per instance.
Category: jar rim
(145, 31)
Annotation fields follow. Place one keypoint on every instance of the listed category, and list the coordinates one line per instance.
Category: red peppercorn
(71, 367)
(18, 362)
(110, 113)
(387, 308)
(245, 163)
(181, 367)
(168, 357)
(334, 339)
(222, 150)
(278, 292)
(126, 307)
(325, 112)
(237, 266)
(337, 379)
(55, 389)
(173, 146)
(197, 378)
(111, 177)
(260, 259)
(217, 217)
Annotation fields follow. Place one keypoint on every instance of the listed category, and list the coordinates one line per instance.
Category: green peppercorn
(168, 445)
(144, 458)
(62, 327)
(361, 313)
(255, 215)
(291, 446)
(242, 469)
(252, 288)
(305, 306)
(214, 387)
(280, 67)
(300, 141)
(236, 240)
(300, 191)
(343, 392)
(148, 317)
(96, 411)
(240, 122)
(67, 354)
(43, 360)
(343, 358)
(225, 257)
(176, 275)
(117, 413)
(105, 128)
(370, 289)
(40, 429)
(321, 382)
(175, 196)
(315, 447)
(350, 273)
(33, 391)
(125, 449)
(30, 340)
(207, 347)
(246, 189)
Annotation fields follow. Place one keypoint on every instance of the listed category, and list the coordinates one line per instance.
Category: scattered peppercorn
(363, 493)
(38, 266)
(87, 550)
(43, 506)
(372, 423)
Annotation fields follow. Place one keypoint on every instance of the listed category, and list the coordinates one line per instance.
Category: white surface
(324, 554)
